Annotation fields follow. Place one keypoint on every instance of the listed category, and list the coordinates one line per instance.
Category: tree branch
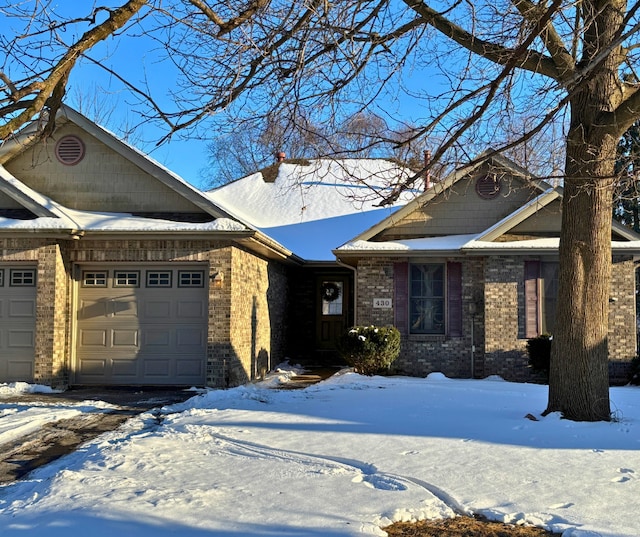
(532, 61)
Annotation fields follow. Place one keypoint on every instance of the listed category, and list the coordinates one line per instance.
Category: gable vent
(488, 186)
(69, 150)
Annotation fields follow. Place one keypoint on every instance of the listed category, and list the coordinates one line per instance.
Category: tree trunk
(579, 372)
(579, 375)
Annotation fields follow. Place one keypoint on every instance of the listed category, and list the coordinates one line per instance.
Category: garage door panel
(19, 370)
(190, 337)
(194, 309)
(189, 368)
(125, 307)
(20, 308)
(157, 338)
(93, 309)
(96, 367)
(125, 367)
(21, 339)
(156, 309)
(93, 338)
(124, 338)
(152, 332)
(158, 367)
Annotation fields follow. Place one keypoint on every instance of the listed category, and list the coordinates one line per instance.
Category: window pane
(332, 297)
(94, 279)
(126, 279)
(158, 278)
(188, 278)
(22, 277)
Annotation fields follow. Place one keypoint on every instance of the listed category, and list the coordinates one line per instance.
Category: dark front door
(333, 294)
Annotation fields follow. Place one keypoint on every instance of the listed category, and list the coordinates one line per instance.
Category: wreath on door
(330, 291)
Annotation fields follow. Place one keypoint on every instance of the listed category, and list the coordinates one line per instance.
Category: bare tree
(481, 63)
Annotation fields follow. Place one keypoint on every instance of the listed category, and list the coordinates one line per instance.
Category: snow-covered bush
(370, 350)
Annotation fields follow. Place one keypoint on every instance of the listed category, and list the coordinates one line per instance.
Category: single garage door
(142, 326)
(17, 323)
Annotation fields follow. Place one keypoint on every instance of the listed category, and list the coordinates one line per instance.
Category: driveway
(53, 439)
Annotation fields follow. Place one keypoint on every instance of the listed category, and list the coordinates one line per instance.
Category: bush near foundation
(370, 350)
(539, 351)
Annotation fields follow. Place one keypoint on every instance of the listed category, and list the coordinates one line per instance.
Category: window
(123, 278)
(189, 278)
(541, 296)
(332, 297)
(22, 278)
(428, 298)
(158, 278)
(1, 278)
(426, 302)
(94, 279)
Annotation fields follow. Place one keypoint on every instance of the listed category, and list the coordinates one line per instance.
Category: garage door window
(158, 278)
(94, 279)
(22, 278)
(1, 278)
(126, 279)
(188, 278)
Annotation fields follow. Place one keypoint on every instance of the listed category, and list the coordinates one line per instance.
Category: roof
(55, 219)
(369, 243)
(311, 206)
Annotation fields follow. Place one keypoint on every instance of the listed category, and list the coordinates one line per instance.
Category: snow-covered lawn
(343, 457)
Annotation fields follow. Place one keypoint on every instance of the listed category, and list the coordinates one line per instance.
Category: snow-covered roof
(313, 206)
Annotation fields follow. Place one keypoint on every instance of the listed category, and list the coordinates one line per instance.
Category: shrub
(539, 351)
(634, 371)
(370, 350)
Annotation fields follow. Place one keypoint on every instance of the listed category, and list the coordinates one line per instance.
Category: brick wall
(495, 285)
(424, 354)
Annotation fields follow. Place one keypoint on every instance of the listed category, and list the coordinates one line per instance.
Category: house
(113, 270)
(468, 272)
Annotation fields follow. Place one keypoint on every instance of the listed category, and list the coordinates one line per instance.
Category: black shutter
(454, 299)
(401, 296)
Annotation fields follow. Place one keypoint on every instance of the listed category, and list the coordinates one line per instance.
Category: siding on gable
(460, 211)
(102, 181)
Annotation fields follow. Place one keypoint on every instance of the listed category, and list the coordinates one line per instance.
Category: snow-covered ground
(343, 457)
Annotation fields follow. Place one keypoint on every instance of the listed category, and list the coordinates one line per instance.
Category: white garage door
(17, 323)
(144, 326)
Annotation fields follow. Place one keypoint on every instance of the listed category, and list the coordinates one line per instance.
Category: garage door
(142, 326)
(17, 323)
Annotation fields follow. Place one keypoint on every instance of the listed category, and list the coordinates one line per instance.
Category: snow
(344, 457)
(325, 200)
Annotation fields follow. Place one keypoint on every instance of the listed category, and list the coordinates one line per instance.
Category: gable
(103, 180)
(545, 222)
(469, 206)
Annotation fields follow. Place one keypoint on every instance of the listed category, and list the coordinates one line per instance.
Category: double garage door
(17, 323)
(145, 326)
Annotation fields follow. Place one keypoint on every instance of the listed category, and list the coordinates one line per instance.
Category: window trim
(15, 271)
(128, 273)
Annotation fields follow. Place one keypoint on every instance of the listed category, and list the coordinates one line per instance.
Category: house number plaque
(382, 303)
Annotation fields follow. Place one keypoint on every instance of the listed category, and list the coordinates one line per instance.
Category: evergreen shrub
(370, 350)
(539, 351)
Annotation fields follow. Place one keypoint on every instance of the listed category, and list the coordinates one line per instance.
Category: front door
(333, 315)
